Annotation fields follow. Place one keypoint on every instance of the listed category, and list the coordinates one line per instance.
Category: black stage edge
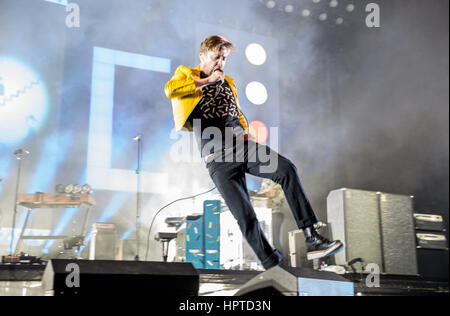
(390, 285)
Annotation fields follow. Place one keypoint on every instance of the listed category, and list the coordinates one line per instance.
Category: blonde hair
(215, 43)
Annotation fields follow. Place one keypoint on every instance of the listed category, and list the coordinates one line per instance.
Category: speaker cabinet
(377, 227)
(104, 277)
(103, 243)
(398, 234)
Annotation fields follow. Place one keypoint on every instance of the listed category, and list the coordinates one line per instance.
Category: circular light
(68, 188)
(270, 4)
(316, 1)
(256, 92)
(23, 101)
(339, 21)
(76, 189)
(256, 54)
(259, 131)
(323, 17)
(86, 188)
(60, 188)
(350, 7)
(306, 13)
(289, 8)
(334, 3)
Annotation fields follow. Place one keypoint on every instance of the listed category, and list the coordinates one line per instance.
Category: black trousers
(229, 178)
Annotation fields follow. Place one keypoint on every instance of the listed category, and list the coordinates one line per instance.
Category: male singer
(205, 100)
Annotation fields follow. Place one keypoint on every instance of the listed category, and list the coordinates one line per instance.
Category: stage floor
(24, 280)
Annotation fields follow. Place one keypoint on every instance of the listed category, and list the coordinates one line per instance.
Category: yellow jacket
(184, 96)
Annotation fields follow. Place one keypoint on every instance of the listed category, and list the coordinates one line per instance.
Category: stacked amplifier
(432, 248)
(376, 227)
(103, 242)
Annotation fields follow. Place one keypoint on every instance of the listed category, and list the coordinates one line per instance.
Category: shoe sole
(325, 253)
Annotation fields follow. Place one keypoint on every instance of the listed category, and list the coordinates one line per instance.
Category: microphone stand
(20, 153)
(138, 195)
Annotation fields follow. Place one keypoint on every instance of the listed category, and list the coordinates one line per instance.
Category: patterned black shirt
(217, 108)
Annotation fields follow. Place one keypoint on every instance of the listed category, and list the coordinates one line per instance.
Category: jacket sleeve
(181, 83)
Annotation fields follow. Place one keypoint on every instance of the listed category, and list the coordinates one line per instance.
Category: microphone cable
(154, 217)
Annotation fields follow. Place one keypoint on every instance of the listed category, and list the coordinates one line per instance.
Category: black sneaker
(319, 247)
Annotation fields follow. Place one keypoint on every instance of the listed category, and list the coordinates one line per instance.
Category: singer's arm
(181, 84)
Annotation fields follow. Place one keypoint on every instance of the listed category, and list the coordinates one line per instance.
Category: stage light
(68, 188)
(73, 188)
(59, 188)
(289, 8)
(86, 189)
(350, 8)
(270, 4)
(323, 17)
(256, 54)
(76, 189)
(256, 93)
(334, 3)
(316, 1)
(259, 131)
(306, 13)
(339, 21)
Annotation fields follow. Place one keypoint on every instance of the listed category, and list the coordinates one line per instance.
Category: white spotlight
(316, 1)
(76, 189)
(68, 188)
(350, 7)
(270, 4)
(256, 54)
(289, 8)
(323, 17)
(339, 21)
(334, 3)
(306, 12)
(256, 93)
(86, 189)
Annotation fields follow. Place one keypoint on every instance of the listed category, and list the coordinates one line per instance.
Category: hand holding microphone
(216, 76)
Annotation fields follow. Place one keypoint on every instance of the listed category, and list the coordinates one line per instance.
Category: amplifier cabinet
(377, 227)
(355, 220)
(103, 242)
(397, 238)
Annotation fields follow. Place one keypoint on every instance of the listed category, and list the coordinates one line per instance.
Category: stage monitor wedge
(119, 278)
(288, 281)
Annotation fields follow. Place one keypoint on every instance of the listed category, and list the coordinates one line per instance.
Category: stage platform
(25, 280)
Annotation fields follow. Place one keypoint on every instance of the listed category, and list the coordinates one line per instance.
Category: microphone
(21, 153)
(221, 81)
